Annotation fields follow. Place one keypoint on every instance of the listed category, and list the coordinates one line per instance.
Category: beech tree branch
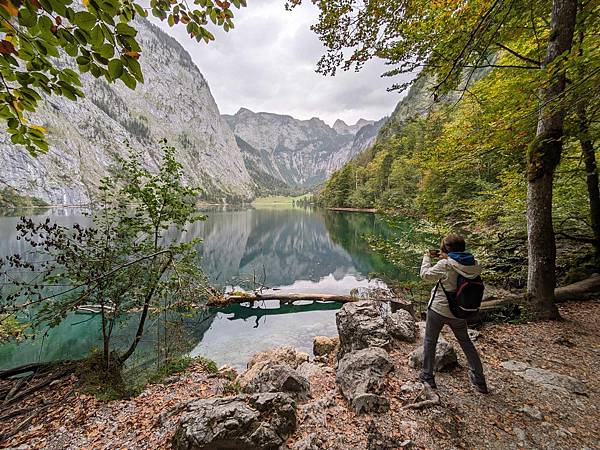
(537, 64)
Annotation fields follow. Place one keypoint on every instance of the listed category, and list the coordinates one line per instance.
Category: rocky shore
(358, 391)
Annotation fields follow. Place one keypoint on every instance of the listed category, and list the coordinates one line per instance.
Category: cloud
(268, 62)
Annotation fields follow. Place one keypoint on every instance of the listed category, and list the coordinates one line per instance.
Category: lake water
(293, 249)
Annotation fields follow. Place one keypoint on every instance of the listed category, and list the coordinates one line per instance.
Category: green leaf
(84, 20)
(115, 68)
(128, 80)
(26, 18)
(125, 30)
(107, 51)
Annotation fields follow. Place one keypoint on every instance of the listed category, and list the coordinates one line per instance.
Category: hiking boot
(429, 380)
(479, 385)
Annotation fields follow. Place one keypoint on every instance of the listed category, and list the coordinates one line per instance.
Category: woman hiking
(454, 261)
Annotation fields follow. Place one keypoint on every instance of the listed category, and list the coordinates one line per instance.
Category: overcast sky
(267, 63)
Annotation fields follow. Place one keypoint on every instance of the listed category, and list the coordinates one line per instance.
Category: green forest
(461, 155)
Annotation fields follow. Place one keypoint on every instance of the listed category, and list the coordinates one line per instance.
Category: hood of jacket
(468, 271)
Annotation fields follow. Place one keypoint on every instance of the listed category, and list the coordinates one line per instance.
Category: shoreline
(364, 210)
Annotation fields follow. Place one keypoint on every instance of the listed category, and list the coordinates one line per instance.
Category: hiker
(453, 261)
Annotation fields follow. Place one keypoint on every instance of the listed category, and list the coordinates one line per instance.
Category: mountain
(174, 102)
(299, 153)
(342, 128)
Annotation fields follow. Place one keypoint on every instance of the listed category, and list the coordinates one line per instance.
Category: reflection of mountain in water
(290, 245)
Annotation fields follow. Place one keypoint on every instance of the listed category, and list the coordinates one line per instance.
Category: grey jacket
(447, 271)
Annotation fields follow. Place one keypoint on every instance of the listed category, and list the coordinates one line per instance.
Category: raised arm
(433, 273)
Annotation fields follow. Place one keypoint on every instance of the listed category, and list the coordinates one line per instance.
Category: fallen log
(33, 367)
(282, 297)
(584, 289)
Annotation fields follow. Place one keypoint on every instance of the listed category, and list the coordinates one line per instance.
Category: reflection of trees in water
(79, 333)
(350, 229)
(241, 312)
(290, 244)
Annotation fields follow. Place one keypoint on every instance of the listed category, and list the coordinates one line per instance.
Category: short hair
(453, 243)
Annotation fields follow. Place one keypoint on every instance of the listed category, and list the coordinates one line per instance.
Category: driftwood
(431, 398)
(33, 389)
(33, 367)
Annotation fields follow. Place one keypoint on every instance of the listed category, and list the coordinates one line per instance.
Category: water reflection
(298, 251)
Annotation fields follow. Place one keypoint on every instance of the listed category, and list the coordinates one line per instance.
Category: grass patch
(279, 200)
(10, 198)
(104, 383)
(231, 388)
(118, 383)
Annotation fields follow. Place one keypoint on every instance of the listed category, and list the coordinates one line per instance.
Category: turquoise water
(294, 250)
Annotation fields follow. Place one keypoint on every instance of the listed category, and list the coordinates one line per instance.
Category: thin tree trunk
(591, 170)
(544, 156)
(140, 330)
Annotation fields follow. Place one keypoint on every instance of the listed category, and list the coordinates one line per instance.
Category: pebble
(520, 433)
(561, 432)
(532, 412)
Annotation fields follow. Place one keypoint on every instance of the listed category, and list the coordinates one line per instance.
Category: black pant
(434, 324)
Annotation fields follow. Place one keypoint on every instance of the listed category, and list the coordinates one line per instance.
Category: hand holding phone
(434, 253)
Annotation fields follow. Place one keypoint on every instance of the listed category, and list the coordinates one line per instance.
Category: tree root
(431, 399)
(49, 379)
(27, 421)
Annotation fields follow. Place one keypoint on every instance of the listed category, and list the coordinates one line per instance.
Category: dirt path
(516, 414)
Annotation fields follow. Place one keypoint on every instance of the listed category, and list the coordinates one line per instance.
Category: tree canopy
(46, 44)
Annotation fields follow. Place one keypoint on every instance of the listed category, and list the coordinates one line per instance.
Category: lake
(290, 249)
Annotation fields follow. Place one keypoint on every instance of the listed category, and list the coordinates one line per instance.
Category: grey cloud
(268, 62)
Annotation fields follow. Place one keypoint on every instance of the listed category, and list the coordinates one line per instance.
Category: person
(453, 260)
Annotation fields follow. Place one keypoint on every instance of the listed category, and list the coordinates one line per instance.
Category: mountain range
(232, 158)
(297, 153)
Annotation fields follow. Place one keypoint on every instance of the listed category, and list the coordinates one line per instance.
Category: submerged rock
(445, 357)
(361, 375)
(545, 378)
(245, 422)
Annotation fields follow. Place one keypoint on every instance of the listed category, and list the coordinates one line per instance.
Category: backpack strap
(434, 292)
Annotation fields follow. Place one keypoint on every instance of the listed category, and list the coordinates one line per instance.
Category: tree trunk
(591, 170)
(544, 156)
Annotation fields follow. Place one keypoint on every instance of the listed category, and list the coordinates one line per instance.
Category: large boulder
(445, 357)
(279, 355)
(366, 324)
(274, 377)
(545, 378)
(361, 375)
(401, 326)
(361, 325)
(248, 422)
(323, 345)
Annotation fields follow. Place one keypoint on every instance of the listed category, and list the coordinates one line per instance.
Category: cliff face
(296, 152)
(174, 102)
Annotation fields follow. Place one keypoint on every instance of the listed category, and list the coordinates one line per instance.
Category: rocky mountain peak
(300, 153)
(342, 127)
(174, 102)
